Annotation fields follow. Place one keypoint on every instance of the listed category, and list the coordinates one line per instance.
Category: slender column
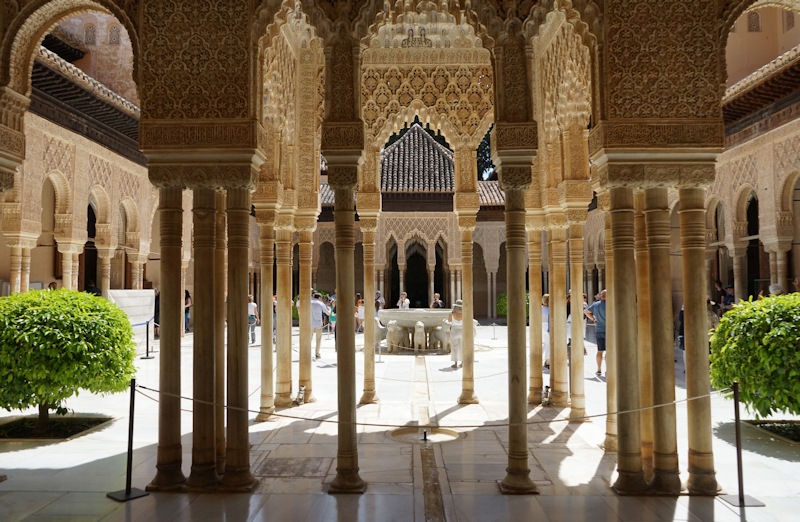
(466, 225)
(220, 314)
(16, 268)
(559, 393)
(204, 456)
(343, 180)
(380, 282)
(702, 477)
(266, 222)
(452, 287)
(576, 367)
(402, 270)
(283, 254)
(781, 262)
(489, 294)
(642, 302)
(535, 311)
(601, 273)
(629, 453)
(237, 452)
(76, 267)
(773, 267)
(66, 266)
(136, 270)
(168, 456)
(739, 275)
(25, 269)
(460, 282)
(666, 477)
(610, 443)
(305, 253)
(431, 272)
(105, 255)
(517, 479)
(368, 227)
(590, 289)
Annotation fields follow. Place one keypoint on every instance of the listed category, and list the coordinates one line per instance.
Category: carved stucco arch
(131, 216)
(34, 20)
(100, 201)
(787, 192)
(741, 197)
(63, 192)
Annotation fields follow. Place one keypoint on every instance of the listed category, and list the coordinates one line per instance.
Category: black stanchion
(147, 352)
(129, 493)
(741, 499)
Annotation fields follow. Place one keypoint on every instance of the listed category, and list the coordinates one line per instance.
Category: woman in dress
(456, 334)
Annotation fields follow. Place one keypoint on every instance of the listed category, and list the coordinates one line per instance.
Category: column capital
(515, 177)
(466, 222)
(368, 203)
(106, 253)
(367, 224)
(137, 257)
(466, 203)
(631, 171)
(575, 191)
(535, 220)
(556, 219)
(305, 223)
(69, 247)
(516, 138)
(20, 239)
(265, 217)
(343, 177)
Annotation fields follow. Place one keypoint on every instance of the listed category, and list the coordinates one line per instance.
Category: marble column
(237, 452)
(576, 366)
(66, 265)
(25, 269)
(204, 456)
(666, 479)
(401, 268)
(452, 287)
(630, 479)
(16, 268)
(431, 273)
(642, 301)
(460, 285)
(305, 252)
(266, 222)
(610, 442)
(169, 451)
(220, 314)
(466, 225)
(773, 266)
(535, 311)
(739, 273)
(368, 227)
(559, 392)
(137, 261)
(105, 255)
(76, 267)
(283, 255)
(601, 272)
(782, 265)
(343, 180)
(702, 477)
(517, 479)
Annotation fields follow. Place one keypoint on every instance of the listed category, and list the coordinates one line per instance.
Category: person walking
(252, 317)
(455, 320)
(597, 314)
(318, 312)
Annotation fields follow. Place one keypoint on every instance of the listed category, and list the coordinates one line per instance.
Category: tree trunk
(44, 418)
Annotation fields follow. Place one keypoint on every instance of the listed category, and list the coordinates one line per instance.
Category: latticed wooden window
(753, 22)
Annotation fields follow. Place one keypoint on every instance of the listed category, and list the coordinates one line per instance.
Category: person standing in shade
(437, 302)
(252, 317)
(318, 312)
(597, 313)
(379, 298)
(455, 320)
(157, 316)
(187, 305)
(403, 302)
(729, 300)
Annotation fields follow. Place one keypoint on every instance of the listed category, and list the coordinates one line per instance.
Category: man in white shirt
(318, 309)
(403, 302)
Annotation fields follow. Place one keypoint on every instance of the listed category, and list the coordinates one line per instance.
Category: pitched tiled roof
(489, 192)
(416, 163)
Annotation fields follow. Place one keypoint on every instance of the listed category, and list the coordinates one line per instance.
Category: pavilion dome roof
(417, 163)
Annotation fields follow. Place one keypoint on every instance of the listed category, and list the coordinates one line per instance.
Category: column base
(534, 395)
(203, 476)
(630, 483)
(559, 399)
(665, 482)
(610, 444)
(368, 397)
(168, 477)
(703, 484)
(517, 483)
(238, 480)
(468, 397)
(265, 414)
(283, 399)
(220, 464)
(347, 482)
(577, 414)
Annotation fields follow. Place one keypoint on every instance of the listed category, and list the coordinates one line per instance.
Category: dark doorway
(438, 277)
(756, 282)
(417, 280)
(89, 257)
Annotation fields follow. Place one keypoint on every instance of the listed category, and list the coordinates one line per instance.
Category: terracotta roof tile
(416, 163)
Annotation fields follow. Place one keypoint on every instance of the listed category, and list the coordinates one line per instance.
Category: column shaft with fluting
(204, 457)
(283, 255)
(267, 232)
(169, 452)
(305, 253)
(517, 479)
(16, 268)
(576, 367)
(347, 480)
(105, 256)
(368, 227)
(666, 477)
(220, 312)
(237, 455)
(702, 477)
(739, 274)
(610, 442)
(643, 297)
(559, 392)
(630, 478)
(468, 395)
(535, 310)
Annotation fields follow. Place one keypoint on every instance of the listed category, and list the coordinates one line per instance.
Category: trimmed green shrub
(758, 344)
(502, 304)
(55, 342)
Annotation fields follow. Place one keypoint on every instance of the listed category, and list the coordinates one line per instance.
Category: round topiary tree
(758, 344)
(55, 342)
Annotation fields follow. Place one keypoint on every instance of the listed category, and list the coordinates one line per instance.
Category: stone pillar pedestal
(169, 452)
(702, 477)
(266, 222)
(283, 254)
(666, 479)
(535, 310)
(204, 456)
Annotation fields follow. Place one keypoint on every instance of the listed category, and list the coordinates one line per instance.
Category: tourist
(546, 331)
(359, 314)
(597, 313)
(456, 334)
(437, 302)
(403, 302)
(318, 312)
(187, 305)
(252, 317)
(379, 298)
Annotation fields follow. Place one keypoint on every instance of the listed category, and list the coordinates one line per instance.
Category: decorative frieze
(181, 134)
(650, 133)
(514, 136)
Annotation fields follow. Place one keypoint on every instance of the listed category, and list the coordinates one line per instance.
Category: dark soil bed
(788, 430)
(58, 427)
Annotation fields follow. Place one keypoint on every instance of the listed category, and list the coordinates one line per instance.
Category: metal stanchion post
(147, 335)
(129, 493)
(741, 499)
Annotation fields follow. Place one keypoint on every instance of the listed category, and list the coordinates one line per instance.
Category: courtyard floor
(295, 458)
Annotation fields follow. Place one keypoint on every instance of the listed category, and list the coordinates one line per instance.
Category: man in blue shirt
(597, 313)
(318, 310)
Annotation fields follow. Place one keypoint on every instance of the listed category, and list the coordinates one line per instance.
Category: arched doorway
(417, 280)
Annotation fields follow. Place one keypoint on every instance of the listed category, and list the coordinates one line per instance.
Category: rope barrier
(447, 426)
